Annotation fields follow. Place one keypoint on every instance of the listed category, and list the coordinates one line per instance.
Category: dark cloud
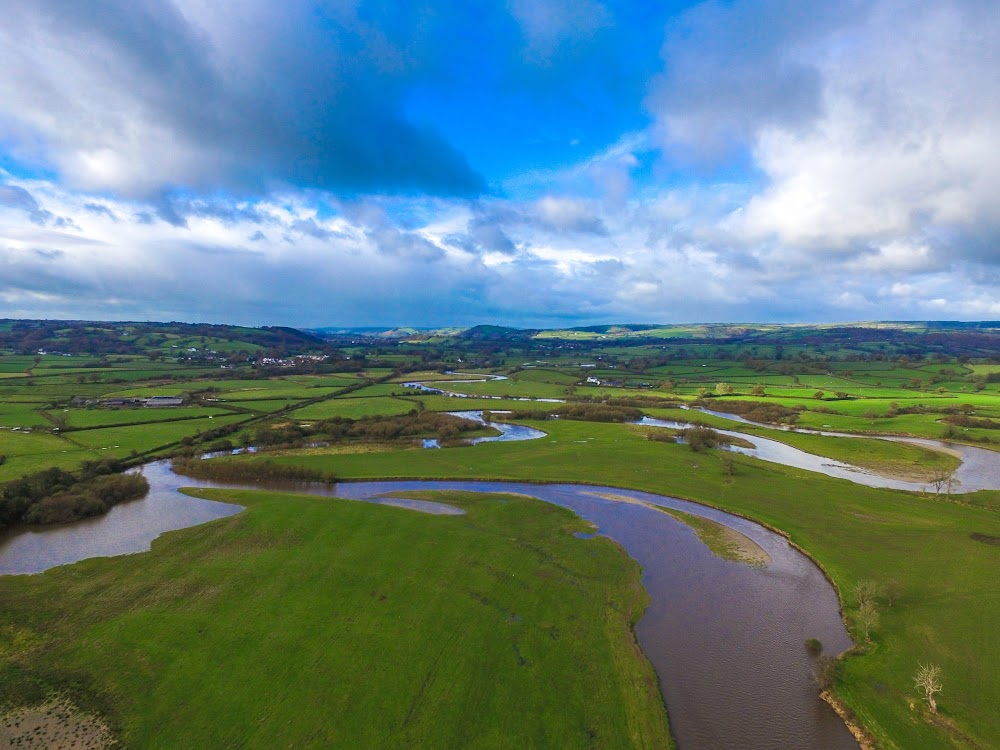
(395, 243)
(98, 209)
(16, 197)
(310, 94)
(312, 229)
(732, 68)
(49, 254)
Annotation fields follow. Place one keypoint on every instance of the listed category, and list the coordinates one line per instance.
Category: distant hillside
(496, 333)
(96, 337)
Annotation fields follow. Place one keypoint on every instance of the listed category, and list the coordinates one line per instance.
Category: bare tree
(728, 463)
(939, 480)
(950, 484)
(867, 592)
(928, 681)
(868, 618)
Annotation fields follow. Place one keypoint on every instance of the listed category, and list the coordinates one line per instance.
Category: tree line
(57, 496)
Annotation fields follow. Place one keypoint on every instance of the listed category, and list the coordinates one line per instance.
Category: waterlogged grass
(909, 462)
(315, 623)
(949, 605)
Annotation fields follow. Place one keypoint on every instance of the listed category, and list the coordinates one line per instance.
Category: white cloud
(900, 133)
(570, 214)
(550, 24)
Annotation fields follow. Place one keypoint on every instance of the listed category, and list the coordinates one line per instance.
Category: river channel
(979, 468)
(726, 638)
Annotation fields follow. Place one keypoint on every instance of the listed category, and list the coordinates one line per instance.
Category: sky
(535, 163)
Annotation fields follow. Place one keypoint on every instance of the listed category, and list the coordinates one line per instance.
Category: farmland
(337, 405)
(206, 596)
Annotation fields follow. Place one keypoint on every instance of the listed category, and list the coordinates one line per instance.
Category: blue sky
(533, 163)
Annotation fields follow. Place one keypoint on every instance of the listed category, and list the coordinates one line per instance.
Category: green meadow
(923, 545)
(119, 442)
(354, 408)
(310, 622)
(237, 633)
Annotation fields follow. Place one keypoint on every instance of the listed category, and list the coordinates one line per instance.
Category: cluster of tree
(585, 412)
(88, 337)
(755, 411)
(248, 471)
(699, 438)
(963, 420)
(84, 499)
(598, 413)
(414, 424)
(57, 496)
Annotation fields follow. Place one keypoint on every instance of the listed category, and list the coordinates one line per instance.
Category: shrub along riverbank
(57, 496)
(260, 471)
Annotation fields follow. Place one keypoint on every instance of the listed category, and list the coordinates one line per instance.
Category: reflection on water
(726, 639)
(508, 432)
(126, 528)
(780, 453)
(979, 470)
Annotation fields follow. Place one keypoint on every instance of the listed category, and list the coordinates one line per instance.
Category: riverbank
(347, 624)
(921, 545)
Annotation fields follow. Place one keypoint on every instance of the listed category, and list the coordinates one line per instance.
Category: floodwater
(779, 453)
(979, 470)
(126, 528)
(508, 432)
(726, 639)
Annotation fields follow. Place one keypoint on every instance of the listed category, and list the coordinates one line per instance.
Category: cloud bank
(312, 164)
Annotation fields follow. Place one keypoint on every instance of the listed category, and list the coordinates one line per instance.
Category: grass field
(306, 622)
(354, 408)
(119, 442)
(21, 415)
(33, 451)
(106, 417)
(946, 613)
(910, 462)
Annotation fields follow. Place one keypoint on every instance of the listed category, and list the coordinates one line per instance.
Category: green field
(141, 616)
(119, 442)
(308, 622)
(84, 418)
(354, 408)
(946, 613)
(33, 451)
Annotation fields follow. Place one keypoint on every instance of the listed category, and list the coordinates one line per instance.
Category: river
(726, 638)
